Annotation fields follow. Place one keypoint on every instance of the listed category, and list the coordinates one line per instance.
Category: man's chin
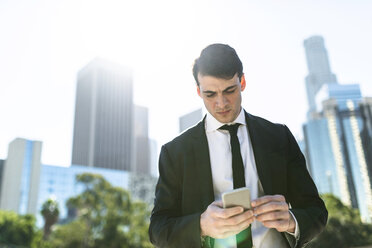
(224, 119)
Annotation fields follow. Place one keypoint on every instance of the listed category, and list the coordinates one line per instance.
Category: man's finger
(240, 218)
(273, 216)
(270, 207)
(217, 210)
(268, 198)
(226, 213)
(280, 225)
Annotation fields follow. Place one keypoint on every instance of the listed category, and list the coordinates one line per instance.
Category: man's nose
(221, 101)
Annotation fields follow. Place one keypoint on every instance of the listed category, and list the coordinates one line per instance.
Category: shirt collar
(212, 124)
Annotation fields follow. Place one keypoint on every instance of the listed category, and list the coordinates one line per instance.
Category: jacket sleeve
(308, 208)
(168, 227)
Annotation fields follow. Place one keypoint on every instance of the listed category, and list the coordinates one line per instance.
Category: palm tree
(50, 213)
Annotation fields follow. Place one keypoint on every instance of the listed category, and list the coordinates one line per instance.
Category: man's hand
(217, 222)
(273, 212)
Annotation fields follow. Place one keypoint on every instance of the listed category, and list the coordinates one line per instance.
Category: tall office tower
(103, 128)
(21, 174)
(336, 153)
(142, 145)
(319, 70)
(366, 112)
(190, 119)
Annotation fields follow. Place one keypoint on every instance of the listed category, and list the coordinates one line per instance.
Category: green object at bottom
(244, 238)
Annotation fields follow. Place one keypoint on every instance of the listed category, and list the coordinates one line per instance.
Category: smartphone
(237, 197)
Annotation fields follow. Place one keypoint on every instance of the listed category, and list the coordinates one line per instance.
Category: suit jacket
(185, 190)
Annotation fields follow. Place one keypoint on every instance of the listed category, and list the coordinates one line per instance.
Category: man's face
(222, 97)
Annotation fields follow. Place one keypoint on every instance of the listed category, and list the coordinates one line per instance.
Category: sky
(44, 43)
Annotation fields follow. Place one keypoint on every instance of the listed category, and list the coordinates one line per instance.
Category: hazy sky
(43, 44)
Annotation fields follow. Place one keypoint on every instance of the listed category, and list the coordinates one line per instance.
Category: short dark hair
(218, 60)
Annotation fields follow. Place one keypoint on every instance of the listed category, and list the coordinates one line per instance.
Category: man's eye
(230, 91)
(210, 95)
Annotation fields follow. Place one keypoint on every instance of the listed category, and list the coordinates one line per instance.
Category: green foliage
(50, 213)
(107, 217)
(337, 210)
(16, 230)
(50, 210)
(344, 227)
(70, 235)
(39, 242)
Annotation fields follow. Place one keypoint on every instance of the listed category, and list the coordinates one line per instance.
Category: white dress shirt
(221, 164)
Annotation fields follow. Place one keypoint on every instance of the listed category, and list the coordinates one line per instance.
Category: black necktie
(244, 238)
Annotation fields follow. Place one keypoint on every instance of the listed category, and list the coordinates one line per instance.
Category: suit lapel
(203, 165)
(258, 145)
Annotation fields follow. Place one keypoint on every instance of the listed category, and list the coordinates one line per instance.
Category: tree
(69, 235)
(344, 227)
(17, 230)
(50, 213)
(106, 217)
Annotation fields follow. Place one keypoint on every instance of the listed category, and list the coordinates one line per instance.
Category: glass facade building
(26, 178)
(20, 176)
(338, 133)
(58, 183)
(319, 156)
(336, 147)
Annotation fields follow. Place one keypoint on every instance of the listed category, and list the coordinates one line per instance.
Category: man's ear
(242, 83)
(198, 90)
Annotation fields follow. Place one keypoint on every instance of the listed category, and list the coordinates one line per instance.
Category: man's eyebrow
(208, 92)
(230, 88)
(227, 89)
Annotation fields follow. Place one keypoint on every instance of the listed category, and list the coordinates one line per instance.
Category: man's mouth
(223, 112)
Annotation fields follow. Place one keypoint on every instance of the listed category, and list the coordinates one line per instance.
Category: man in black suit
(230, 149)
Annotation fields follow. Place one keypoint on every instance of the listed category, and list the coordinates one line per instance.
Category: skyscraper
(142, 142)
(337, 155)
(21, 174)
(338, 133)
(103, 128)
(319, 70)
(366, 133)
